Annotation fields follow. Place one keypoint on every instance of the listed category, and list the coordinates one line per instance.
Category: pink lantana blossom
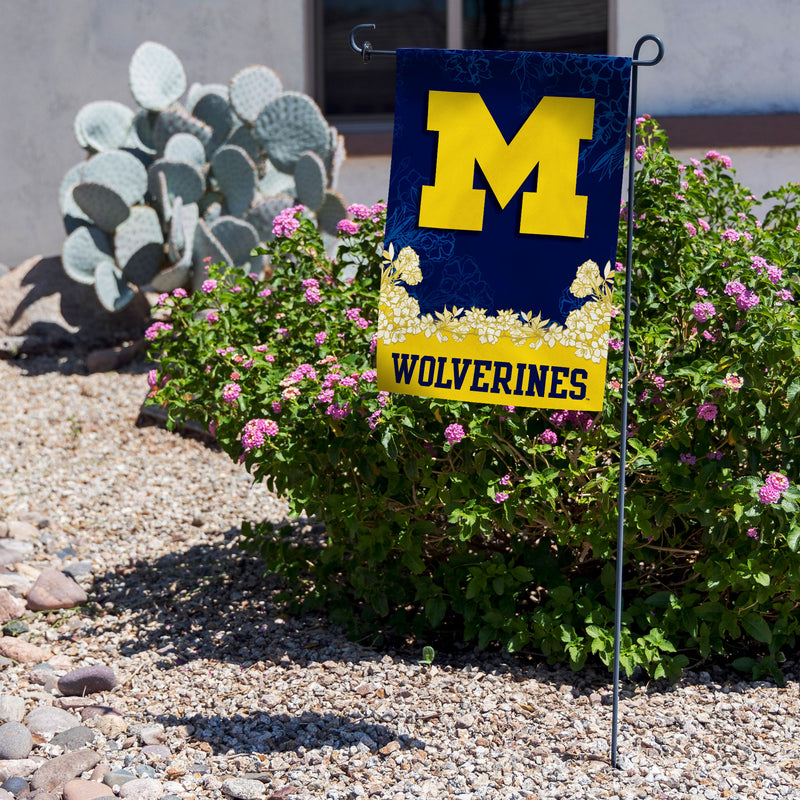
(454, 433)
(359, 211)
(208, 286)
(501, 497)
(778, 480)
(286, 223)
(703, 311)
(548, 436)
(734, 288)
(156, 328)
(320, 337)
(746, 300)
(768, 494)
(691, 229)
(347, 227)
(707, 411)
(231, 392)
(733, 381)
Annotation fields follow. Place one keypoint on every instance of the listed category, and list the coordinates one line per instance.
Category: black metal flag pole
(635, 64)
(366, 51)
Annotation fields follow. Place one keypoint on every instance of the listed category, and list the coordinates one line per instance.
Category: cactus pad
(310, 177)
(331, 212)
(73, 175)
(139, 245)
(216, 113)
(178, 120)
(101, 204)
(274, 182)
(289, 125)
(185, 147)
(83, 250)
(251, 89)
(103, 125)
(236, 175)
(110, 286)
(262, 214)
(141, 132)
(120, 171)
(156, 76)
(184, 180)
(335, 157)
(242, 136)
(206, 246)
(172, 277)
(199, 90)
(236, 236)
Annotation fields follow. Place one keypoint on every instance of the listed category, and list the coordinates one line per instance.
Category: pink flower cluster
(454, 433)
(548, 436)
(297, 375)
(286, 223)
(707, 411)
(208, 286)
(347, 227)
(231, 392)
(156, 328)
(255, 430)
(703, 311)
(773, 488)
(713, 155)
(311, 286)
(733, 381)
(746, 300)
(360, 211)
(579, 419)
(734, 287)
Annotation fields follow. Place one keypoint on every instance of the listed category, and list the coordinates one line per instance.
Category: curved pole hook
(366, 50)
(653, 61)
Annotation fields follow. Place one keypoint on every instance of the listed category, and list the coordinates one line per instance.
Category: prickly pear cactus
(190, 174)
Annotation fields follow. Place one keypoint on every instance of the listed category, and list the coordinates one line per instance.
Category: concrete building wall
(721, 56)
(58, 55)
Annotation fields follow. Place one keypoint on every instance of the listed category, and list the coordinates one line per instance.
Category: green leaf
(756, 626)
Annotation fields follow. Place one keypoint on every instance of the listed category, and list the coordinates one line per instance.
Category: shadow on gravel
(277, 733)
(211, 601)
(214, 601)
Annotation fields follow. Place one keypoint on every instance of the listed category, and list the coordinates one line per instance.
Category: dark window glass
(348, 87)
(550, 26)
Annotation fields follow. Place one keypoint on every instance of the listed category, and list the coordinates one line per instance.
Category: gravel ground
(221, 693)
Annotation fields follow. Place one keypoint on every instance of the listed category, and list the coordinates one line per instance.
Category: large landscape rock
(41, 307)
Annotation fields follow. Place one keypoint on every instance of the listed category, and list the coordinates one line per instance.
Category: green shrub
(500, 523)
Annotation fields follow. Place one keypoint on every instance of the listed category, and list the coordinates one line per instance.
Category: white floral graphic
(585, 330)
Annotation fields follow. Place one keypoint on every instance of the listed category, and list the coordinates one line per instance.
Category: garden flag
(501, 234)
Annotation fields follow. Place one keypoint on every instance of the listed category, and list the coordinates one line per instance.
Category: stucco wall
(57, 55)
(721, 56)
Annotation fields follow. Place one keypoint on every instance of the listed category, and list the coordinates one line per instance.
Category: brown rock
(17, 529)
(10, 607)
(111, 358)
(54, 589)
(22, 651)
(58, 771)
(78, 789)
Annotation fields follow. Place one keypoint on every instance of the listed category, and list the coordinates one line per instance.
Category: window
(359, 98)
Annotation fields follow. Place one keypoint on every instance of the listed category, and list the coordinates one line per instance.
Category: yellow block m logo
(468, 135)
